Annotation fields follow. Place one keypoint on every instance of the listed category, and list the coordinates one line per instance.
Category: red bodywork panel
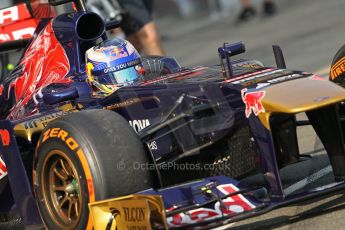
(44, 62)
(16, 23)
(20, 21)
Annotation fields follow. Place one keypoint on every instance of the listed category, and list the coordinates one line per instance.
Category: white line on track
(310, 179)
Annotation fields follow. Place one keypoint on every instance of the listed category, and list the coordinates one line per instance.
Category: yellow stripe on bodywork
(298, 96)
(28, 128)
(152, 205)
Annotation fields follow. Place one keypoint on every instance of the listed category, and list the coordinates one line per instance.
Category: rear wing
(18, 23)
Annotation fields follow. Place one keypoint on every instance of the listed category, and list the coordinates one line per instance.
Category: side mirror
(231, 49)
(57, 97)
(227, 51)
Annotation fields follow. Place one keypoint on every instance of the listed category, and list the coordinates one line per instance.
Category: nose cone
(301, 95)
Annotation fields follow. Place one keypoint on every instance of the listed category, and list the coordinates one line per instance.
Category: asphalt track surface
(309, 32)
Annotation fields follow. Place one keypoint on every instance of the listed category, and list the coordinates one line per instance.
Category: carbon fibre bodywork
(239, 117)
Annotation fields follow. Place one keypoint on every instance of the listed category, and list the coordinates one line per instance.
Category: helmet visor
(123, 77)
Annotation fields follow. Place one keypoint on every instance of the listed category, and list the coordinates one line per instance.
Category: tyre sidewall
(52, 142)
(337, 73)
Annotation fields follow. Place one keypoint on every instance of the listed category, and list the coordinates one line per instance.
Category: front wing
(203, 204)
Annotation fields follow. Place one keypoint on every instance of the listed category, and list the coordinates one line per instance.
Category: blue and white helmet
(113, 64)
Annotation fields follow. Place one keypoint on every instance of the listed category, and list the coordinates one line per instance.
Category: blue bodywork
(186, 112)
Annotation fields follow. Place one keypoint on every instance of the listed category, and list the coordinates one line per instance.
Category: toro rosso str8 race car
(181, 147)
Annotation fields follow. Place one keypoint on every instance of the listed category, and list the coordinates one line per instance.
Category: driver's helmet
(112, 64)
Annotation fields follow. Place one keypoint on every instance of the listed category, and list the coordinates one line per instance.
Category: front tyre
(77, 162)
(337, 72)
(63, 188)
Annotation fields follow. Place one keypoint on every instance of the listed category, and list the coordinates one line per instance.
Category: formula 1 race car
(181, 147)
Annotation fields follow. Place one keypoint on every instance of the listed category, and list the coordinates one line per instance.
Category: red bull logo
(230, 206)
(253, 103)
(118, 52)
(5, 137)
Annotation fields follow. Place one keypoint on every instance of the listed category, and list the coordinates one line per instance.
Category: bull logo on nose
(5, 137)
(252, 100)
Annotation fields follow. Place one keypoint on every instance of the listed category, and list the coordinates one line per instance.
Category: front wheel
(85, 157)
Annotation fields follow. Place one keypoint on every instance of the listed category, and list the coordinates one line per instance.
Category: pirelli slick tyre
(337, 73)
(81, 158)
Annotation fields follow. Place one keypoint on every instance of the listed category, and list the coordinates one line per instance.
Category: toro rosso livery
(95, 136)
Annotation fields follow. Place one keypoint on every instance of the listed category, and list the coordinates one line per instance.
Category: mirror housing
(57, 97)
(225, 52)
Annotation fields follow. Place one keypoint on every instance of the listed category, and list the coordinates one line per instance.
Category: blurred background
(309, 31)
